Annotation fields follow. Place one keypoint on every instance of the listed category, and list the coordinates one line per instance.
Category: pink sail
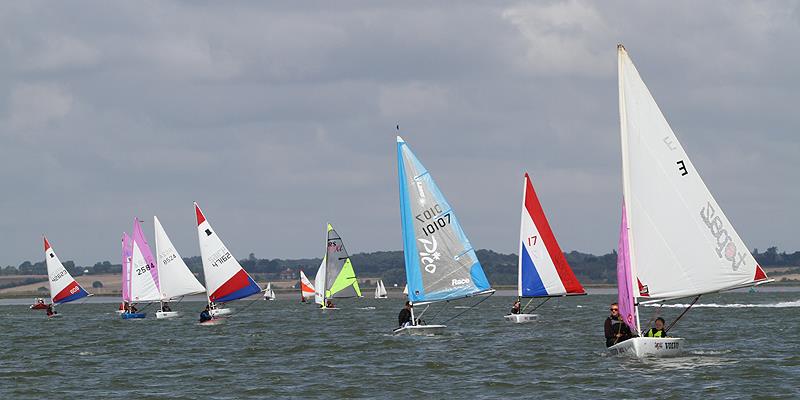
(141, 242)
(127, 252)
(627, 305)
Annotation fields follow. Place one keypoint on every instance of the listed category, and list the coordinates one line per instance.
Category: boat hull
(521, 318)
(424, 330)
(167, 314)
(39, 306)
(212, 322)
(649, 347)
(133, 315)
(220, 311)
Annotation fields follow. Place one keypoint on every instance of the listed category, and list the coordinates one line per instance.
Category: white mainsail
(269, 294)
(319, 283)
(380, 290)
(681, 243)
(174, 276)
(144, 286)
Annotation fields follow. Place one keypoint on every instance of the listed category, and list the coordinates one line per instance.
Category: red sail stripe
(534, 208)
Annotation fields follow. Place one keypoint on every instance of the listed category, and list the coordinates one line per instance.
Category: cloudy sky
(277, 118)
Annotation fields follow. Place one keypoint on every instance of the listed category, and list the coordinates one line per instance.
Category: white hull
(521, 318)
(220, 311)
(648, 347)
(167, 314)
(381, 297)
(119, 311)
(420, 330)
(212, 322)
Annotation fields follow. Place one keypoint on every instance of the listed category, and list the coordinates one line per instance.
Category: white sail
(380, 290)
(681, 243)
(319, 283)
(269, 294)
(175, 277)
(143, 283)
(405, 290)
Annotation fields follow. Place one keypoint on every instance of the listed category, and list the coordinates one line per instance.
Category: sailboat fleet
(675, 242)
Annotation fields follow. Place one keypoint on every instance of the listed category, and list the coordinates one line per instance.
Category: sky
(280, 117)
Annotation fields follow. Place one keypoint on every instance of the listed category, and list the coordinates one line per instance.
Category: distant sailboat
(226, 280)
(269, 294)
(127, 253)
(405, 290)
(144, 282)
(335, 277)
(543, 269)
(175, 278)
(675, 241)
(441, 264)
(380, 290)
(306, 287)
(63, 287)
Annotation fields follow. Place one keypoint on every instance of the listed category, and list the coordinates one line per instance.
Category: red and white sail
(226, 280)
(306, 287)
(63, 287)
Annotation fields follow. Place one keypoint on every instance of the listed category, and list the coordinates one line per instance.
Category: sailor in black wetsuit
(205, 315)
(615, 329)
(405, 315)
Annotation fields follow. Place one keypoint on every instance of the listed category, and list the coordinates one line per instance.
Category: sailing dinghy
(63, 287)
(335, 277)
(269, 294)
(380, 290)
(543, 269)
(441, 264)
(143, 271)
(175, 278)
(127, 253)
(675, 242)
(226, 280)
(306, 287)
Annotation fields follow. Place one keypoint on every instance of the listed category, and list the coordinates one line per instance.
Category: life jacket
(655, 333)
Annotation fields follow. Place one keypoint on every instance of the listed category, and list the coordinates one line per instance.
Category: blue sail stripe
(531, 281)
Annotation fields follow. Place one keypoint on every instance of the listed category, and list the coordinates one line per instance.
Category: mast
(626, 184)
(521, 245)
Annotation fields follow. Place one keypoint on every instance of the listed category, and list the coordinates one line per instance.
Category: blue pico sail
(440, 262)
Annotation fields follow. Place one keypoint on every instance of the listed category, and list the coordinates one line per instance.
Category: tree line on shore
(388, 265)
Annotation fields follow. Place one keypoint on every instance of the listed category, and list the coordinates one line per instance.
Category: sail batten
(681, 244)
(440, 262)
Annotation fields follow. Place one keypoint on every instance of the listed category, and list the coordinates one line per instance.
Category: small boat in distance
(335, 277)
(63, 287)
(269, 294)
(543, 271)
(380, 290)
(226, 280)
(306, 288)
(441, 264)
(674, 242)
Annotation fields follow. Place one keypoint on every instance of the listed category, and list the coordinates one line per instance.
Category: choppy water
(283, 349)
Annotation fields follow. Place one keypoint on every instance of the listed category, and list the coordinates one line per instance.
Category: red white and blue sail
(440, 261)
(226, 280)
(543, 269)
(63, 287)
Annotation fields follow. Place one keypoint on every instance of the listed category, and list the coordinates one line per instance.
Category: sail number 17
(533, 241)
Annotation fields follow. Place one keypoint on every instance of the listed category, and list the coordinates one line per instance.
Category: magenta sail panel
(127, 253)
(138, 237)
(627, 305)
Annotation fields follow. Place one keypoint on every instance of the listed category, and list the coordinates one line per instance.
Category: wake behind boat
(543, 271)
(440, 263)
(675, 242)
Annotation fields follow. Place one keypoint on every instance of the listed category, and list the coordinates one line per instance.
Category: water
(283, 349)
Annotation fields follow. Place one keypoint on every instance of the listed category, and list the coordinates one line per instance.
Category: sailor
(329, 304)
(50, 311)
(302, 298)
(165, 307)
(132, 308)
(516, 308)
(405, 315)
(658, 330)
(615, 329)
(205, 315)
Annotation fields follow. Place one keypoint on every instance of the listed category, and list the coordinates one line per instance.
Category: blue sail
(440, 262)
